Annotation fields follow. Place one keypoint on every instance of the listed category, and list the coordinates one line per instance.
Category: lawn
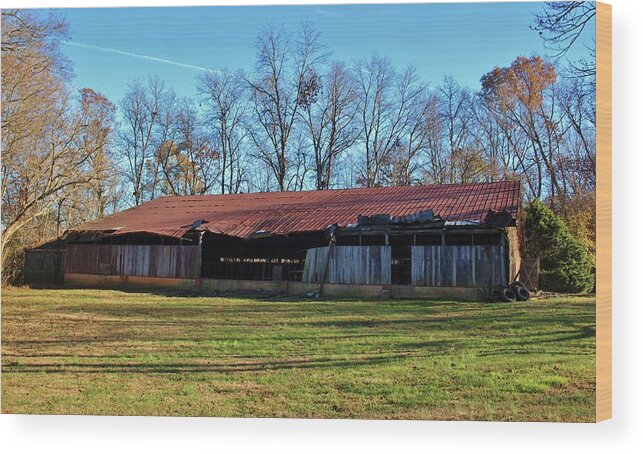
(121, 353)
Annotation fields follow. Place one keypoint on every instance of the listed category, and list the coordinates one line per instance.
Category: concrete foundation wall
(111, 281)
(437, 293)
(273, 288)
(234, 285)
(345, 290)
(290, 288)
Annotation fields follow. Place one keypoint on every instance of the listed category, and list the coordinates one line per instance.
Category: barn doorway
(401, 259)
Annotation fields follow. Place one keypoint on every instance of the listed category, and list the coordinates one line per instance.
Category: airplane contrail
(143, 57)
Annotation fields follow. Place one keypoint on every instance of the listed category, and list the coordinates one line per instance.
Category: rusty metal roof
(281, 213)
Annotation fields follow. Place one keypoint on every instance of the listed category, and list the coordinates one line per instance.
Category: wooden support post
(331, 245)
(504, 260)
(200, 257)
(473, 266)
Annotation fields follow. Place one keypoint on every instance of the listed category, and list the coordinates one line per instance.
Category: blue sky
(110, 47)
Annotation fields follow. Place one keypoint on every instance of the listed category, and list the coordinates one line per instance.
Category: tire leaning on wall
(522, 294)
(508, 295)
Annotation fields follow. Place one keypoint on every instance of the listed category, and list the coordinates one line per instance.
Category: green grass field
(117, 353)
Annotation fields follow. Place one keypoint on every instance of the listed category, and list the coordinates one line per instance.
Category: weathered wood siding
(134, 260)
(458, 266)
(367, 265)
(44, 265)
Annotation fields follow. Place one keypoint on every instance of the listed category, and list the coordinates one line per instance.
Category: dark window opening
(373, 240)
(347, 240)
(370, 239)
(485, 239)
(428, 239)
(459, 239)
(472, 239)
(275, 258)
(253, 268)
(405, 240)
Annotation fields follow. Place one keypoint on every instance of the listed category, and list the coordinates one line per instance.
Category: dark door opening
(400, 264)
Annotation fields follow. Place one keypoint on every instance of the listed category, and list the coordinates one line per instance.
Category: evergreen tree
(565, 264)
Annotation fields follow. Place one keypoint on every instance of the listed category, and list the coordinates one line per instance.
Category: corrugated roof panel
(281, 213)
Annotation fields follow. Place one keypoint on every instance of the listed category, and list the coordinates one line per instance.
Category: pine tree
(565, 264)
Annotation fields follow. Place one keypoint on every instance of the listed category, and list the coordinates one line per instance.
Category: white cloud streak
(139, 56)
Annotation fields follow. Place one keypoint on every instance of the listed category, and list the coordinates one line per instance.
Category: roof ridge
(321, 191)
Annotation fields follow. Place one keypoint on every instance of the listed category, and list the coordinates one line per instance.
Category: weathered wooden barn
(454, 241)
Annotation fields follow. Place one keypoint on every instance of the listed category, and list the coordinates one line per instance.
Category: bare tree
(434, 157)
(417, 142)
(578, 135)
(260, 178)
(190, 164)
(50, 146)
(226, 94)
(103, 194)
(456, 119)
(524, 94)
(329, 122)
(146, 109)
(503, 145)
(284, 80)
(561, 25)
(300, 161)
(386, 100)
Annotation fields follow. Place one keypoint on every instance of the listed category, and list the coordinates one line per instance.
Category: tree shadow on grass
(132, 340)
(225, 367)
(549, 337)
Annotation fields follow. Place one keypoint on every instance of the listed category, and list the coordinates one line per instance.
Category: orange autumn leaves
(523, 82)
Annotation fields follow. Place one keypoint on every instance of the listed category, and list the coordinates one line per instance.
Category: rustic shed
(400, 241)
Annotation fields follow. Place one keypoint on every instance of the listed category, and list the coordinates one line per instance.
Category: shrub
(564, 262)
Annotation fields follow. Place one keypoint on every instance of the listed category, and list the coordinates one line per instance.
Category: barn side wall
(180, 262)
(448, 272)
